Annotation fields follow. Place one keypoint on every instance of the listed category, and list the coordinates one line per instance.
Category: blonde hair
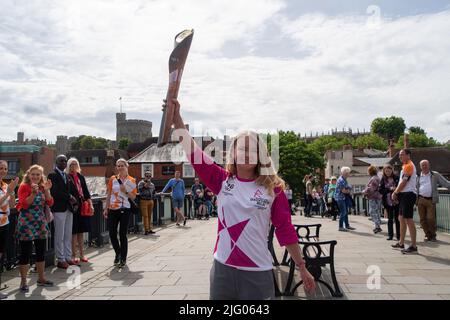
(345, 170)
(125, 162)
(70, 162)
(269, 179)
(26, 176)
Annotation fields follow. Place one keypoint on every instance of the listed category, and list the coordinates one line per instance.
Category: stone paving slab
(176, 265)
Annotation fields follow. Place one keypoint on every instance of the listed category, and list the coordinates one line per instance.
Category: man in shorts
(406, 194)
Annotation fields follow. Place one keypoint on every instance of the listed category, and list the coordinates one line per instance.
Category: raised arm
(168, 185)
(209, 172)
(442, 181)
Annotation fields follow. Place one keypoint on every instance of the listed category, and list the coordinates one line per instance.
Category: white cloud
(79, 57)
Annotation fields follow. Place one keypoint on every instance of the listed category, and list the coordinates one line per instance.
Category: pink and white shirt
(245, 211)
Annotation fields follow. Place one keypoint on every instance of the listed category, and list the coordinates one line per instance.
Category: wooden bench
(316, 253)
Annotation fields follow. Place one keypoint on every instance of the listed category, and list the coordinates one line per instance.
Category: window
(13, 167)
(332, 170)
(168, 170)
(188, 171)
(90, 160)
(146, 167)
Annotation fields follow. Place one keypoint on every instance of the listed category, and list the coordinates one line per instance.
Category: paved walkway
(175, 264)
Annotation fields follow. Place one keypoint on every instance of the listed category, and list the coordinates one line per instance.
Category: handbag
(48, 214)
(86, 210)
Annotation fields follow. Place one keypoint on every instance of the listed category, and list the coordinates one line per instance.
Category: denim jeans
(343, 213)
(208, 207)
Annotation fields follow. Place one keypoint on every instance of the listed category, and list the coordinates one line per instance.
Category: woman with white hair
(81, 216)
(343, 189)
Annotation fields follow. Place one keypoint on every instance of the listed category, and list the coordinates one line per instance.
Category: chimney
(348, 147)
(109, 164)
(391, 148)
(406, 141)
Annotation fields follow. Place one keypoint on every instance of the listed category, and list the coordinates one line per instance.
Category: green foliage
(100, 143)
(296, 160)
(417, 130)
(325, 143)
(388, 128)
(88, 143)
(124, 143)
(373, 141)
(417, 140)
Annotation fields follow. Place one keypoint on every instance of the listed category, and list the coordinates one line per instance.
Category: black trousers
(115, 218)
(334, 208)
(26, 249)
(309, 203)
(392, 212)
(3, 238)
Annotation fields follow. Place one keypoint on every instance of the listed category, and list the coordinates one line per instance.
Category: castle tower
(62, 145)
(121, 119)
(134, 130)
(20, 137)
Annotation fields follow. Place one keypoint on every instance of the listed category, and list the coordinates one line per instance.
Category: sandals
(24, 288)
(47, 283)
(398, 246)
(84, 259)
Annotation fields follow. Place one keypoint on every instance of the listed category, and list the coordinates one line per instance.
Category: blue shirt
(177, 188)
(63, 174)
(341, 184)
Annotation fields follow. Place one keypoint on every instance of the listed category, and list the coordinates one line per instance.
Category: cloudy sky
(295, 65)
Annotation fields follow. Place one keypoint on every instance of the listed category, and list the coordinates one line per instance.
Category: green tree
(325, 143)
(100, 143)
(87, 143)
(84, 142)
(417, 140)
(296, 160)
(388, 128)
(76, 145)
(373, 141)
(124, 143)
(417, 130)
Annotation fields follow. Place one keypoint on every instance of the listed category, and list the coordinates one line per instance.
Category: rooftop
(19, 148)
(377, 162)
(439, 158)
(171, 152)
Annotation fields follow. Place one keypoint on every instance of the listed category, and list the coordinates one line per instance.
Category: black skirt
(80, 224)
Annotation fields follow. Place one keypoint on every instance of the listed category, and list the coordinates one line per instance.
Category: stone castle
(134, 130)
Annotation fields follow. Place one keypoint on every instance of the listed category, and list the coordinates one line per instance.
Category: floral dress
(31, 223)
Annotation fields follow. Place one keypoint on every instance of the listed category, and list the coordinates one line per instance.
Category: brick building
(21, 157)
(98, 162)
(164, 161)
